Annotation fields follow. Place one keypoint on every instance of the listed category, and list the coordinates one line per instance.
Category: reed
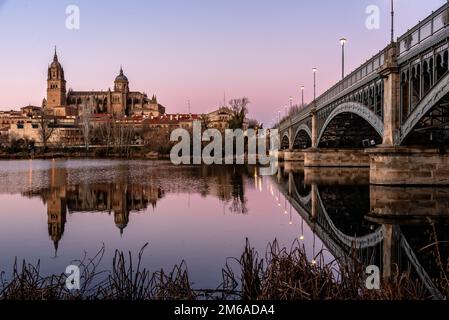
(281, 274)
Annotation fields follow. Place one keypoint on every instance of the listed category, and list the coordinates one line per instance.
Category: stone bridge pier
(400, 162)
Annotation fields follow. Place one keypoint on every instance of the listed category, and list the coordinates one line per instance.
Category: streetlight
(291, 102)
(314, 83)
(392, 21)
(343, 42)
(302, 96)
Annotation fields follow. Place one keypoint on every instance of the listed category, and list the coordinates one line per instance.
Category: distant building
(171, 121)
(219, 119)
(31, 111)
(65, 113)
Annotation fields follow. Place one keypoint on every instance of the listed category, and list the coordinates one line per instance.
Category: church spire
(56, 245)
(55, 58)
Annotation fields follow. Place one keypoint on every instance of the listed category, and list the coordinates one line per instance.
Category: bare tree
(86, 122)
(205, 121)
(239, 108)
(101, 134)
(254, 124)
(46, 127)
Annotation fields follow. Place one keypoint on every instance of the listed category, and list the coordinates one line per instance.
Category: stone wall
(409, 202)
(294, 156)
(335, 158)
(336, 176)
(408, 166)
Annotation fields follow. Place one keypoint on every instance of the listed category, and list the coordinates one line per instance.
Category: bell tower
(56, 84)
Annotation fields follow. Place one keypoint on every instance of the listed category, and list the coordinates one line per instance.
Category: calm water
(56, 211)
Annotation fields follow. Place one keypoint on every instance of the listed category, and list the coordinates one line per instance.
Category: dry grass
(281, 275)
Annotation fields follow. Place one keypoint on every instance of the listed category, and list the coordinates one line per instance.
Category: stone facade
(219, 119)
(66, 133)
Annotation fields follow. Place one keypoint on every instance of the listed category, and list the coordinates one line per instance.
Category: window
(20, 126)
(35, 126)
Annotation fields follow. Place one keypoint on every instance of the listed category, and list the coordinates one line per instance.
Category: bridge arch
(304, 194)
(361, 242)
(423, 116)
(302, 138)
(354, 111)
(285, 141)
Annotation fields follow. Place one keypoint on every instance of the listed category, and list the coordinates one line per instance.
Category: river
(57, 211)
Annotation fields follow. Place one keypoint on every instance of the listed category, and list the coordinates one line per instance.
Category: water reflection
(200, 214)
(128, 193)
(203, 214)
(388, 226)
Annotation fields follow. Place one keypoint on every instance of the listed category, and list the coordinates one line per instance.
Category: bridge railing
(357, 76)
(425, 29)
(365, 70)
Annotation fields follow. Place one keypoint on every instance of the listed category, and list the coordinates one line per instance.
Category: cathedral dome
(121, 77)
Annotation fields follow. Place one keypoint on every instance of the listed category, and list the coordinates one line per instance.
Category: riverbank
(82, 154)
(283, 275)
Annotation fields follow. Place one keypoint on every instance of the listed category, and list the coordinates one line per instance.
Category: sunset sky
(193, 49)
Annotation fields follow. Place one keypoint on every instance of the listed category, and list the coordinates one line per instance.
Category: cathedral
(119, 102)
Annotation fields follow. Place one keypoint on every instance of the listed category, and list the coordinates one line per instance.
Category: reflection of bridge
(381, 245)
(398, 99)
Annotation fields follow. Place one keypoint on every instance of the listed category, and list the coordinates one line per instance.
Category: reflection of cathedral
(56, 211)
(56, 205)
(124, 195)
(119, 198)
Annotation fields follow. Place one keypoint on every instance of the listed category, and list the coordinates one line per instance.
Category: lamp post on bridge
(302, 96)
(343, 43)
(314, 83)
(392, 20)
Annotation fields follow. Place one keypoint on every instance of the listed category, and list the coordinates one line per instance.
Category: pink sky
(193, 50)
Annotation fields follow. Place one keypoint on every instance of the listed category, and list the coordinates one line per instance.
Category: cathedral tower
(56, 84)
(120, 95)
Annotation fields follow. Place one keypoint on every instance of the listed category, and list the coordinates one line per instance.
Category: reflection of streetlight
(313, 250)
(285, 205)
(291, 222)
(343, 42)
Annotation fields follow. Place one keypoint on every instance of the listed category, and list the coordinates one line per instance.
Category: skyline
(259, 55)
